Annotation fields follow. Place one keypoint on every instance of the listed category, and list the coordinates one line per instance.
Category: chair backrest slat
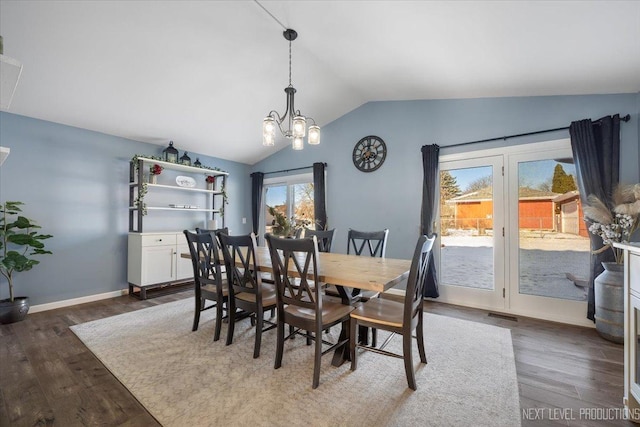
(203, 249)
(325, 237)
(415, 283)
(213, 232)
(295, 267)
(374, 241)
(240, 260)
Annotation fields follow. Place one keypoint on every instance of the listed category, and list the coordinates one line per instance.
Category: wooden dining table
(348, 271)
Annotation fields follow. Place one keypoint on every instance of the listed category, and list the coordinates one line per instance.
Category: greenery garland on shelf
(139, 201)
(144, 189)
(135, 158)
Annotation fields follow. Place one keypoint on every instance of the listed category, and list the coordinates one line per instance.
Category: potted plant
(18, 242)
(154, 171)
(211, 182)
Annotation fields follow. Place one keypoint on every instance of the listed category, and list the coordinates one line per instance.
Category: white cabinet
(155, 261)
(154, 258)
(631, 399)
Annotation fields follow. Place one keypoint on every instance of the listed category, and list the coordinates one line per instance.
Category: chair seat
(268, 296)
(332, 311)
(381, 311)
(211, 289)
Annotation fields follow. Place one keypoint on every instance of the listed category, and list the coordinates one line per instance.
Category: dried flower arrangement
(617, 223)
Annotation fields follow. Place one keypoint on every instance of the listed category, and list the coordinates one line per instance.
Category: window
(287, 203)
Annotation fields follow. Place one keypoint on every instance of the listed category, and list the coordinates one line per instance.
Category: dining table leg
(342, 353)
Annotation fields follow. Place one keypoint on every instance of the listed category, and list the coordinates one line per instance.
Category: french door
(472, 252)
(549, 245)
(511, 233)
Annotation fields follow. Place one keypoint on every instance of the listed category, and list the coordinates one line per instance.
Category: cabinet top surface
(184, 168)
(154, 233)
(631, 246)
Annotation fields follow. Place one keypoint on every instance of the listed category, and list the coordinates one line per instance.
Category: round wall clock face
(369, 153)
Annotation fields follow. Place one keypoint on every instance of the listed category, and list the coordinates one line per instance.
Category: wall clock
(369, 153)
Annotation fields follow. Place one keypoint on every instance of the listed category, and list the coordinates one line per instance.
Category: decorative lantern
(185, 159)
(170, 154)
(197, 163)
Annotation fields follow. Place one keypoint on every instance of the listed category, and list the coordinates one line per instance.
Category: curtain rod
(294, 169)
(624, 119)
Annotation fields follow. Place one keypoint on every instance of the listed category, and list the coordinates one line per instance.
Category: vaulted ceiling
(205, 73)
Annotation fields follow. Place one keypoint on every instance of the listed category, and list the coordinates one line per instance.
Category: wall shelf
(213, 199)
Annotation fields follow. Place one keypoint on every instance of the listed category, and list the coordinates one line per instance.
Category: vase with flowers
(613, 224)
(154, 171)
(283, 226)
(211, 182)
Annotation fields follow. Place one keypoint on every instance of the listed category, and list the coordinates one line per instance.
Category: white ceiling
(205, 73)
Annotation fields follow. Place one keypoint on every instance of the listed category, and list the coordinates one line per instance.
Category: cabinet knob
(159, 240)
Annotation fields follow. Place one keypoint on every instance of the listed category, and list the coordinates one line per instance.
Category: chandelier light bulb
(314, 135)
(268, 131)
(299, 126)
(298, 144)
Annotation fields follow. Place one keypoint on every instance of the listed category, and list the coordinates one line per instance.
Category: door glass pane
(466, 224)
(553, 239)
(276, 198)
(303, 205)
(295, 204)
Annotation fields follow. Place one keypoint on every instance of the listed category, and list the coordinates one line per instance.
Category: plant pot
(153, 179)
(210, 186)
(16, 311)
(609, 295)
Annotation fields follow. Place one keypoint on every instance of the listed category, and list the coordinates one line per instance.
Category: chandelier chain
(289, 62)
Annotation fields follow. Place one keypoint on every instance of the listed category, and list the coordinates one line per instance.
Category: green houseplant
(19, 240)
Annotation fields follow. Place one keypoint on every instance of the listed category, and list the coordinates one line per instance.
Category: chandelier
(295, 127)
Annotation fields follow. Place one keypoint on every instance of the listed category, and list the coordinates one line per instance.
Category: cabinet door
(158, 264)
(184, 266)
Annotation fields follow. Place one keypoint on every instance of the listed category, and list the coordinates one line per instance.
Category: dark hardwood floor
(48, 377)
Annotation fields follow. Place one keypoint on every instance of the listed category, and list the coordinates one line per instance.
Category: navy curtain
(430, 184)
(596, 153)
(257, 178)
(319, 196)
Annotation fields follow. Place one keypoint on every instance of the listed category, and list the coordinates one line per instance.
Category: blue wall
(75, 185)
(75, 182)
(390, 197)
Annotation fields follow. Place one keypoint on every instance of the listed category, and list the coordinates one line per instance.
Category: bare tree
(480, 183)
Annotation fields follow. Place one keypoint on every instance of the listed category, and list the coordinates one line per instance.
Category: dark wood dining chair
(213, 232)
(246, 290)
(367, 243)
(325, 237)
(371, 243)
(207, 277)
(396, 317)
(301, 304)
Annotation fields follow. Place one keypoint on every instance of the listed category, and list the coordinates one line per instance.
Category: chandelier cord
(270, 14)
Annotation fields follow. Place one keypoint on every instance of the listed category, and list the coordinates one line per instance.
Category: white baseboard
(75, 301)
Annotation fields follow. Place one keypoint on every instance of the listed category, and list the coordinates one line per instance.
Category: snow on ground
(545, 258)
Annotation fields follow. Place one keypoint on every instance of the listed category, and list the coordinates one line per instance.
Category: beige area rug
(183, 378)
